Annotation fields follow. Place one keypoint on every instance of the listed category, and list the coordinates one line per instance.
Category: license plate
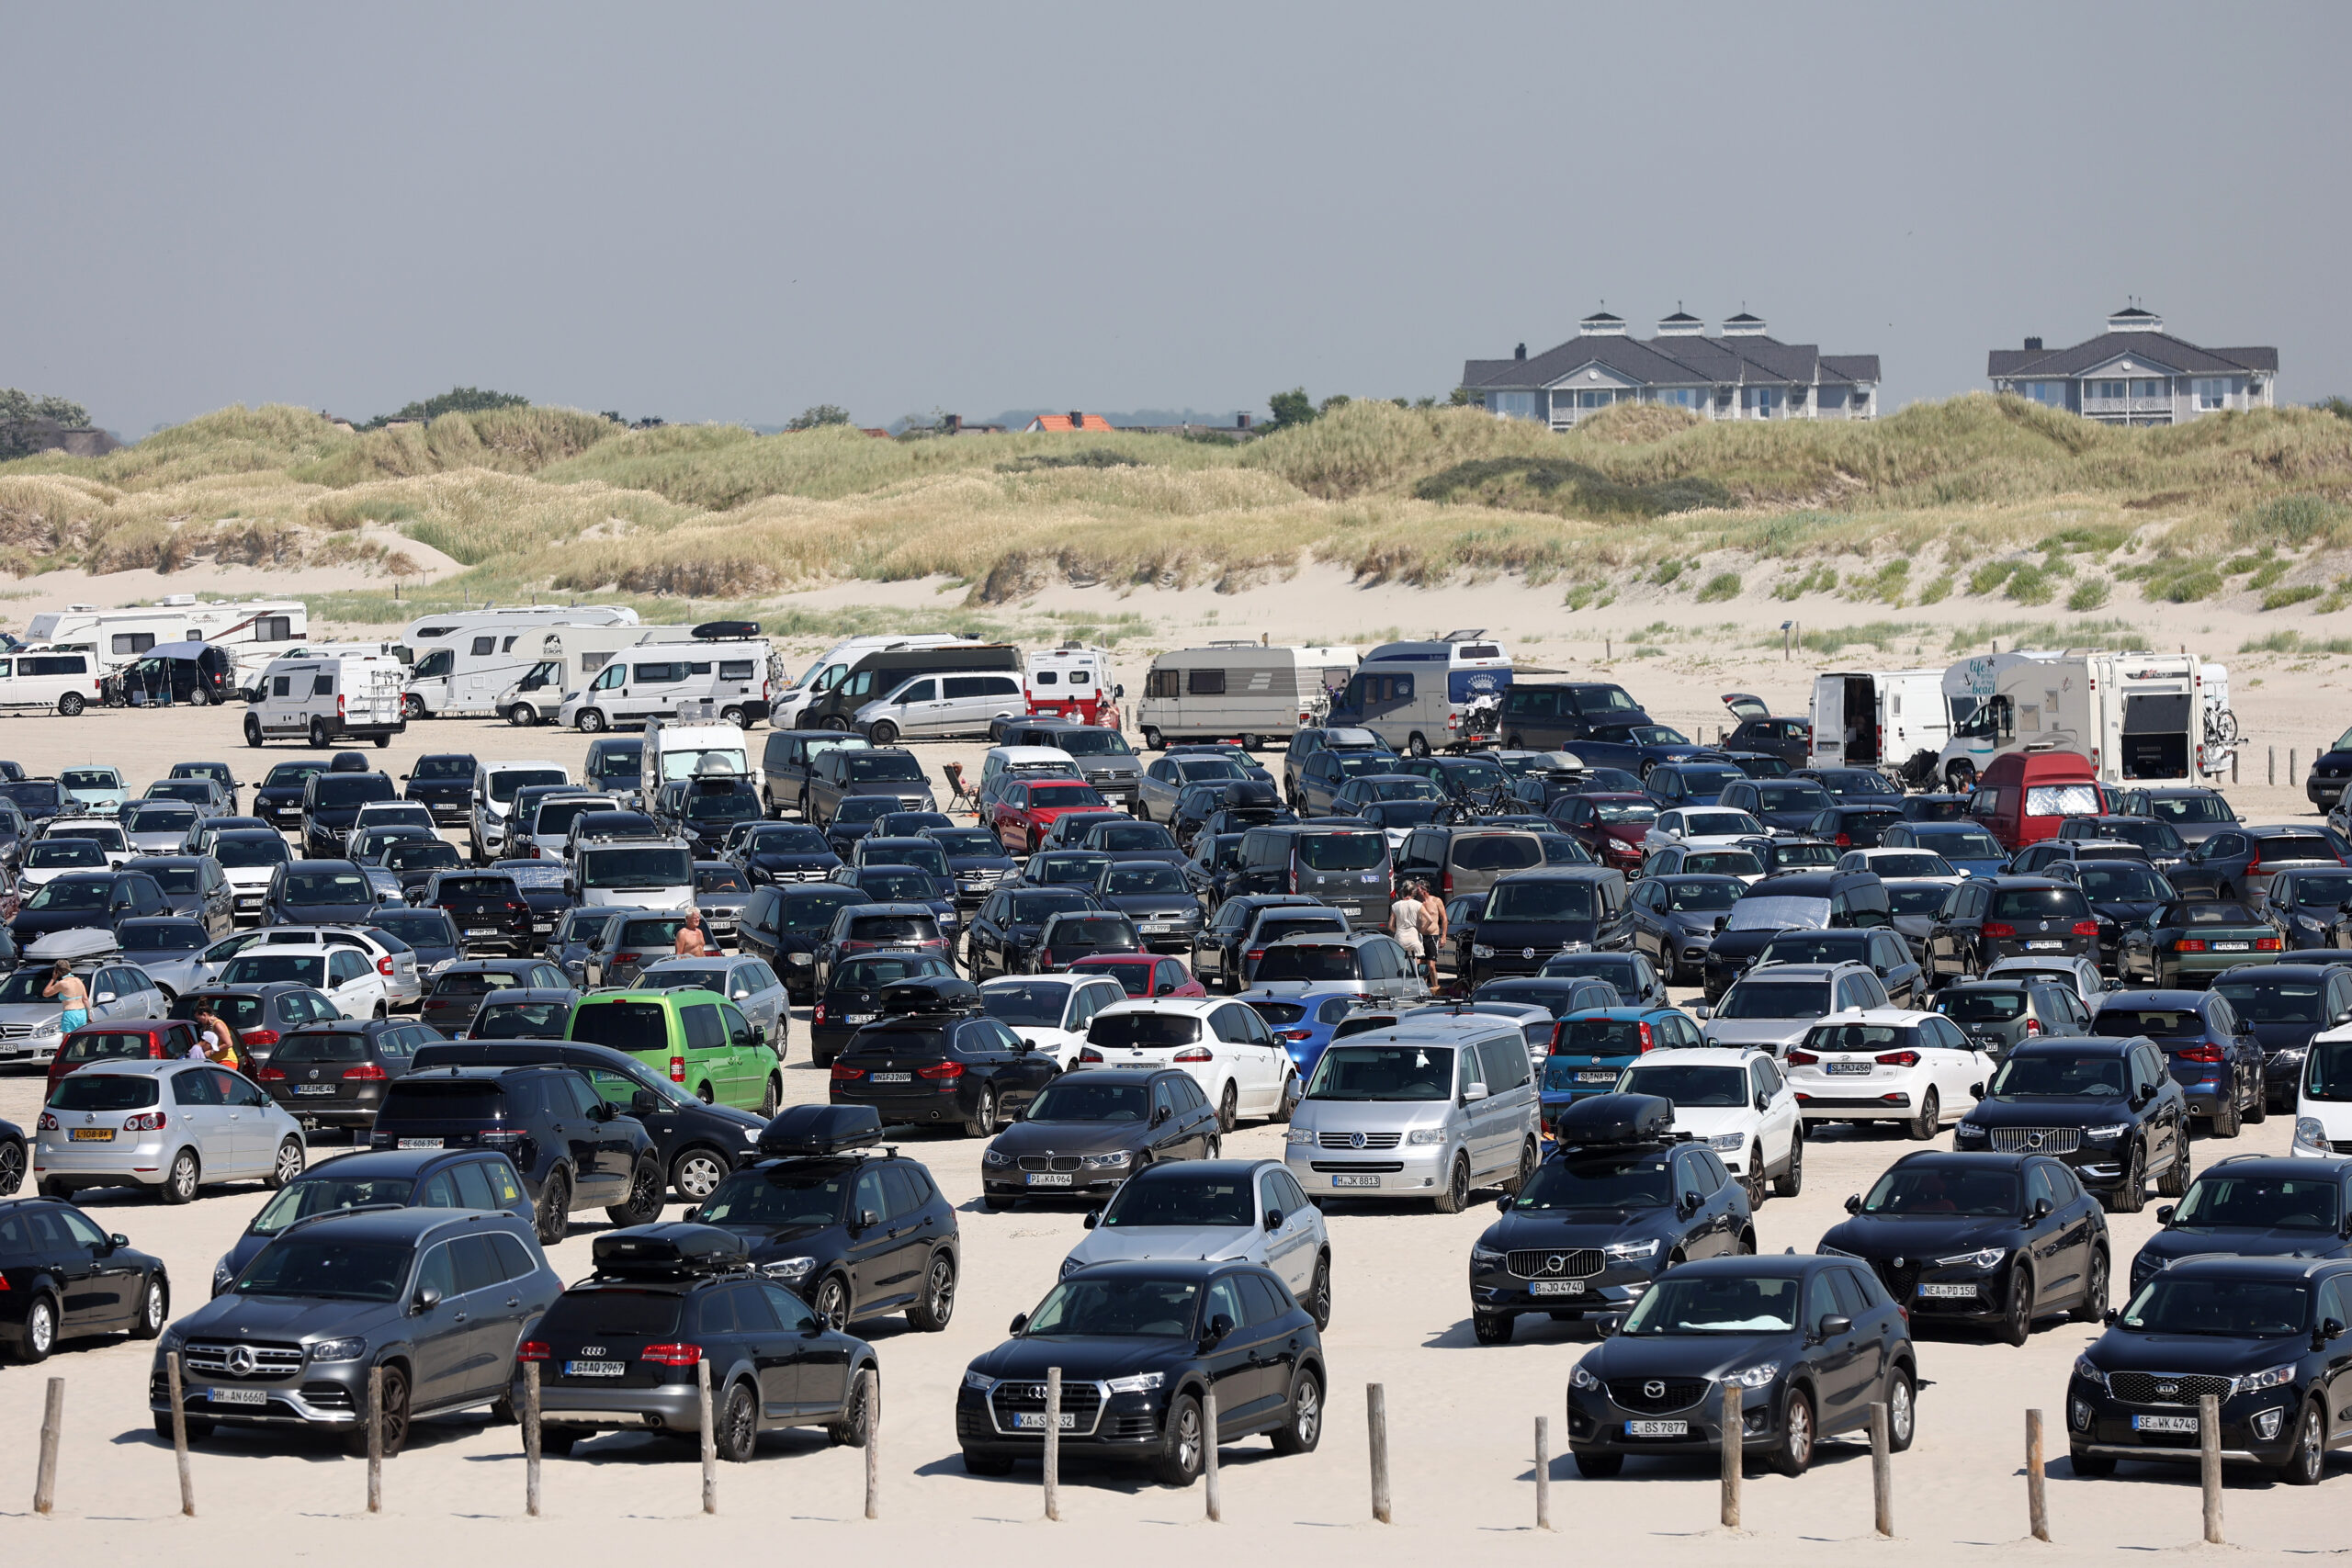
(2043, 946)
(594, 1369)
(1847, 1069)
(1049, 1179)
(2233, 946)
(857, 1018)
(1372, 1181)
(482, 930)
(315, 1089)
(2164, 1422)
(1990, 1042)
(237, 1396)
(1035, 1421)
(1555, 1287)
(543, 925)
(93, 1136)
(894, 1078)
(420, 1142)
(1603, 1075)
(1657, 1428)
(1947, 1292)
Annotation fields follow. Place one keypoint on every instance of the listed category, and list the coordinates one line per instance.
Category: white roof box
(83, 944)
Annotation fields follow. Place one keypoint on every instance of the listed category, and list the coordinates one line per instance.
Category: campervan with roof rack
(1243, 691)
(1419, 697)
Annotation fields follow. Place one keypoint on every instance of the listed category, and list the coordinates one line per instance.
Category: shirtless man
(1432, 929)
(690, 943)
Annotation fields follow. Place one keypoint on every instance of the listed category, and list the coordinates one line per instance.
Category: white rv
(1425, 696)
(568, 658)
(1242, 690)
(833, 666)
(255, 631)
(1878, 718)
(460, 662)
(2140, 717)
(348, 691)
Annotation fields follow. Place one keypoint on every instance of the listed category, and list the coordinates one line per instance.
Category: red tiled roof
(1051, 422)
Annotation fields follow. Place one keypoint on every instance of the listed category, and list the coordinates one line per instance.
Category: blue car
(1639, 748)
(1589, 1048)
(1972, 851)
(1302, 1021)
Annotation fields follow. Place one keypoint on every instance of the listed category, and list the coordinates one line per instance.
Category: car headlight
(1758, 1376)
(1485, 1258)
(1828, 1251)
(989, 1156)
(1103, 1162)
(787, 1268)
(1142, 1383)
(1480, 950)
(1580, 1378)
(2086, 1371)
(2271, 1377)
(1425, 1136)
(2104, 1134)
(979, 1383)
(1967, 1132)
(2311, 1134)
(1723, 1141)
(1305, 1136)
(1983, 1258)
(1630, 1251)
(222, 1275)
(349, 1349)
(800, 958)
(1071, 1266)
(2309, 924)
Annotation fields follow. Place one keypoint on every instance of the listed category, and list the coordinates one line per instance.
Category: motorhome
(329, 693)
(1422, 696)
(694, 745)
(1244, 691)
(256, 631)
(568, 658)
(2139, 717)
(460, 663)
(726, 668)
(1879, 718)
(1071, 682)
(832, 666)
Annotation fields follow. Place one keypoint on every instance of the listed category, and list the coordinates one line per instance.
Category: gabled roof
(2184, 358)
(1051, 422)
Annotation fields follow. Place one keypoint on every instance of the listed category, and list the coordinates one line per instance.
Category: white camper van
(569, 658)
(461, 662)
(2140, 717)
(731, 676)
(1243, 689)
(833, 666)
(698, 744)
(349, 691)
(1878, 718)
(1420, 697)
(46, 676)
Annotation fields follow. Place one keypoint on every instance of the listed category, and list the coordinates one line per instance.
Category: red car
(135, 1039)
(1142, 975)
(1611, 826)
(1019, 816)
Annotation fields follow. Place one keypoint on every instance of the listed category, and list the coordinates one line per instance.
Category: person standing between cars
(1404, 921)
(690, 943)
(1432, 929)
(71, 994)
(223, 1046)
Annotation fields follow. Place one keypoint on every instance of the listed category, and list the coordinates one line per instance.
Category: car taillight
(671, 1355)
(677, 1069)
(1089, 1053)
(1445, 885)
(2033, 1026)
(2256, 864)
(2266, 944)
(2189, 945)
(1646, 1040)
(269, 1075)
(1294, 1035)
(1801, 1058)
(947, 1075)
(1844, 842)
(845, 1074)
(2201, 1053)
(261, 1037)
(367, 1072)
(818, 1016)
(532, 1351)
(1193, 1054)
(1999, 929)
(2087, 928)
(145, 1122)
(1899, 1059)
(48, 1123)
(1254, 955)
(384, 965)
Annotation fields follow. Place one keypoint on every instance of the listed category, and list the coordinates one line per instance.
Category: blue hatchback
(1972, 851)
(1302, 1021)
(1591, 1047)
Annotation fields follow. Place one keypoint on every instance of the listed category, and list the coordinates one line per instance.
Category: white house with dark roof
(2136, 373)
(1742, 373)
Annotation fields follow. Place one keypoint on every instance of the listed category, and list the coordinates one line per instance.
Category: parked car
(1142, 974)
(1897, 1065)
(701, 1040)
(107, 1125)
(2211, 1051)
(2001, 916)
(334, 1075)
(2000, 1012)
(1588, 1050)
(2194, 811)
(318, 892)
(1443, 1105)
(1634, 978)
(2238, 863)
(2186, 942)
(1087, 1135)
(1739, 1104)
(1783, 806)
(851, 997)
(1673, 918)
(1052, 1011)
(2108, 1107)
(63, 1278)
(1241, 1210)
(2286, 1006)
(1227, 1047)
(261, 1014)
(1774, 1008)
(2309, 906)
(2253, 1206)
(1967, 848)
(1880, 950)
(456, 993)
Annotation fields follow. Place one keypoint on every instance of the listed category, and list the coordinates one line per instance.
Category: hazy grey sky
(733, 211)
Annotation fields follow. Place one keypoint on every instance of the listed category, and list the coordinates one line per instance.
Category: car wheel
(1318, 1294)
(1417, 745)
(181, 1180)
(830, 1303)
(2016, 1308)
(1790, 1182)
(884, 732)
(521, 715)
(394, 1420)
(2223, 1122)
(319, 736)
(1902, 1410)
(591, 721)
(2094, 1307)
(697, 1174)
(932, 1309)
(983, 1122)
(1929, 1120)
(41, 1331)
(69, 705)
(1526, 1172)
(2308, 1462)
(738, 1436)
(12, 1167)
(1754, 1179)
(2257, 1106)
(1456, 1197)
(772, 1095)
(553, 1219)
(1492, 1327)
(703, 1092)
(1303, 1427)
(253, 731)
(1152, 741)
(413, 706)
(2173, 1182)
(1794, 1453)
(2131, 1195)
(1228, 1107)
(1180, 1444)
(1597, 1467)
(291, 1158)
(1287, 1101)
(644, 1205)
(858, 1415)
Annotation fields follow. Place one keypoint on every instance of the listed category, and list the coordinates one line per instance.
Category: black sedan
(1087, 1132)
(1811, 1342)
(278, 800)
(2107, 1107)
(63, 1278)
(1674, 919)
(784, 851)
(1138, 1344)
(1002, 938)
(1783, 806)
(1854, 785)
(976, 858)
(2255, 1206)
(2196, 939)
(431, 934)
(1994, 1240)
(786, 923)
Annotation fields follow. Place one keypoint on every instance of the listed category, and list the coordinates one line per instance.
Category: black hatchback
(334, 1075)
(1991, 918)
(64, 1277)
(935, 1058)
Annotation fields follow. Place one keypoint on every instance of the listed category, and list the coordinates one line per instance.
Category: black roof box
(936, 993)
(821, 1130)
(1603, 1119)
(677, 1248)
(712, 631)
(1252, 793)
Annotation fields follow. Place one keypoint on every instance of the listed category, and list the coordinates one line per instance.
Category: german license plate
(1947, 1292)
(1372, 1180)
(482, 930)
(93, 1136)
(1035, 1421)
(543, 925)
(315, 1089)
(2052, 946)
(420, 1142)
(894, 1078)
(2164, 1422)
(1657, 1428)
(1601, 1076)
(1555, 1287)
(2233, 946)
(237, 1396)
(1049, 1179)
(857, 1018)
(1157, 926)
(1847, 1069)
(594, 1369)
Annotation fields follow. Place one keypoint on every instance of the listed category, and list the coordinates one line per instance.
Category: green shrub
(2186, 587)
(2279, 598)
(1937, 590)
(2031, 585)
(1723, 585)
(2270, 572)
(1991, 575)
(2088, 594)
(2295, 520)
(1667, 570)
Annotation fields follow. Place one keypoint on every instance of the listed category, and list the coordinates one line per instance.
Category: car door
(877, 1265)
(196, 1103)
(85, 1304)
(1235, 1365)
(1289, 1234)
(441, 1334)
(251, 1123)
(1777, 1124)
(2167, 1126)
(1268, 1062)
(1844, 1363)
(802, 1382)
(2059, 1240)
(1958, 1064)
(600, 1148)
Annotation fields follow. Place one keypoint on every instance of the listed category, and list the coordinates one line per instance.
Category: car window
(477, 1265)
(576, 1090)
(704, 1031)
(870, 1197)
(1264, 1301)
(901, 1191)
(472, 1182)
(1821, 1299)
(439, 1192)
(196, 1087)
(438, 1271)
(1224, 1298)
(502, 1185)
(2037, 1185)
(1848, 1288)
(788, 1308)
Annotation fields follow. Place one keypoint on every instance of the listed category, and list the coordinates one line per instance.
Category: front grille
(211, 1357)
(1049, 1162)
(1655, 1397)
(1901, 1283)
(1082, 1402)
(2166, 1388)
(1371, 1140)
(16, 1030)
(1350, 1167)
(2342, 1146)
(2036, 1140)
(1579, 1264)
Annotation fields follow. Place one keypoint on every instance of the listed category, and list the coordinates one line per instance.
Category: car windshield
(338, 789)
(719, 879)
(1401, 789)
(260, 968)
(2221, 1309)
(2157, 838)
(159, 819)
(425, 928)
(867, 973)
(1539, 899)
(2214, 913)
(1092, 740)
(1872, 1037)
(1384, 1072)
(651, 865)
(178, 936)
(1632, 813)
(1599, 1037)
(1797, 794)
(103, 1092)
(421, 854)
(1121, 1307)
(1153, 876)
(1753, 998)
(1182, 1197)
(2259, 1203)
(59, 854)
(1149, 1030)
(807, 910)
(2191, 808)
(968, 843)
(2327, 1073)
(1943, 1190)
(323, 1194)
(1347, 850)
(173, 876)
(734, 806)
(1310, 961)
(2313, 889)
(897, 884)
(520, 1021)
(2055, 1076)
(1091, 931)
(454, 766)
(1980, 1007)
(786, 838)
(475, 982)
(1610, 1181)
(651, 930)
(327, 1266)
(1916, 897)
(1074, 1098)
(1778, 911)
(71, 895)
(1910, 862)
(90, 778)
(1401, 813)
(1957, 843)
(241, 851)
(1815, 947)
(24, 985)
(2274, 1001)
(881, 767)
(1714, 1087)
(791, 1193)
(1121, 836)
(1717, 1303)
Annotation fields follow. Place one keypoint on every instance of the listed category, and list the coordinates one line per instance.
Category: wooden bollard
(1375, 1399)
(709, 1439)
(2037, 1505)
(179, 1433)
(2209, 1465)
(872, 1444)
(1053, 1442)
(1881, 1470)
(375, 1440)
(1735, 1441)
(1208, 1455)
(531, 1438)
(52, 1423)
(1543, 1472)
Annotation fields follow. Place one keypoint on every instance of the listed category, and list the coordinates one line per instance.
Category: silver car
(746, 982)
(171, 1125)
(32, 1025)
(1774, 1006)
(158, 827)
(1222, 1209)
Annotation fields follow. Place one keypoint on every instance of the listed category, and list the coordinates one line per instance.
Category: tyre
(1794, 1453)
(71, 704)
(1526, 1172)
(2094, 1305)
(521, 715)
(2308, 1462)
(1902, 1410)
(1287, 1101)
(394, 1420)
(2173, 1182)
(736, 1432)
(2257, 1109)
(983, 1122)
(553, 1216)
(2131, 1196)
(1180, 1444)
(932, 1309)
(1417, 745)
(1597, 1467)
(644, 1204)
(319, 738)
(181, 1180)
(2090, 1465)
(1302, 1429)
(837, 721)
(1928, 1122)
(733, 716)
(857, 1417)
(591, 721)
(1318, 1292)
(1754, 1179)
(2016, 1308)
(12, 1167)
(2224, 1120)
(1791, 1183)
(1492, 1327)
(772, 1096)
(413, 707)
(830, 1303)
(1152, 741)
(41, 1331)
(197, 697)
(1456, 1195)
(557, 1440)
(291, 1158)
(985, 1464)
(253, 731)
(884, 732)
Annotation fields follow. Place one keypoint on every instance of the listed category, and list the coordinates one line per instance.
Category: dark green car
(2189, 943)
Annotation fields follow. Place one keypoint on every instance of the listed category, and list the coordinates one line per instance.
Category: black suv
(1882, 952)
(64, 1277)
(935, 1057)
(442, 781)
(331, 803)
(1528, 916)
(856, 1231)
(1620, 1201)
(574, 1149)
(2107, 1107)
(2255, 1206)
(334, 1075)
(786, 925)
(2286, 1004)
(851, 995)
(1004, 932)
(1990, 917)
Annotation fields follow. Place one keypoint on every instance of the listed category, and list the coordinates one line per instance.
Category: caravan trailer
(2140, 718)
(1419, 697)
(459, 661)
(1878, 718)
(1243, 691)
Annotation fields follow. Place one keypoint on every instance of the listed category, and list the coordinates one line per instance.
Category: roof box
(1253, 795)
(720, 631)
(675, 1248)
(83, 944)
(822, 1130)
(1606, 1119)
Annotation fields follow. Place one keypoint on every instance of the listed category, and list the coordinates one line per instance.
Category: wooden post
(709, 1441)
(375, 1440)
(2209, 1443)
(2273, 764)
(1053, 1442)
(2290, 765)
(2037, 1505)
(1881, 1470)
(1734, 1440)
(1208, 1456)
(53, 1424)
(1543, 1472)
(873, 1443)
(531, 1438)
(2233, 766)
(1375, 1399)
(179, 1434)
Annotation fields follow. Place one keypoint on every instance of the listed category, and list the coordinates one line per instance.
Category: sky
(732, 212)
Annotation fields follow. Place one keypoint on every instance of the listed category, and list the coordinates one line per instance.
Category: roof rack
(676, 1250)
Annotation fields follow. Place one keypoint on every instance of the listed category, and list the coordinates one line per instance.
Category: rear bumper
(666, 1406)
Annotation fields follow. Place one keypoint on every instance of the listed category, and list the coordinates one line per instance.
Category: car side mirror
(1094, 1217)
(2040, 1210)
(2331, 1328)
(1219, 1326)
(1853, 1203)
(867, 1219)
(1608, 1324)
(427, 1298)
(1502, 1204)
(1020, 1322)
(1160, 1115)
(1476, 1092)
(106, 996)
(1763, 1101)
(1273, 1219)
(692, 1215)
(1977, 1092)
(2164, 1213)
(2143, 1097)
(642, 1103)
(116, 1240)
(1836, 1323)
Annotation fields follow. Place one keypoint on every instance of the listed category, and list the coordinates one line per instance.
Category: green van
(698, 1038)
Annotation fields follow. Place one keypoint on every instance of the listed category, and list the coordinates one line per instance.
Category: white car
(172, 1125)
(1050, 1011)
(1218, 1210)
(48, 858)
(1224, 1045)
(103, 831)
(345, 974)
(1887, 1065)
(1702, 827)
(396, 965)
(1909, 864)
(249, 857)
(1736, 1104)
(2323, 1098)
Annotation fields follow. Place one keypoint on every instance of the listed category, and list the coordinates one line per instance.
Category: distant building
(25, 437)
(1744, 373)
(2136, 373)
(1064, 423)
